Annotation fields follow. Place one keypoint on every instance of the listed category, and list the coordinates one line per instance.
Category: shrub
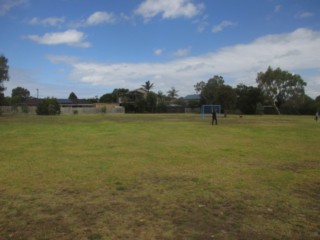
(48, 106)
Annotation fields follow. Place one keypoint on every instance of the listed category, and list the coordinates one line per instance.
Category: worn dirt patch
(300, 166)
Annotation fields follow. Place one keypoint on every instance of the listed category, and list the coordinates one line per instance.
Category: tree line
(277, 89)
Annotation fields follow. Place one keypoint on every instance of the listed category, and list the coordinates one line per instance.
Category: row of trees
(280, 90)
(277, 90)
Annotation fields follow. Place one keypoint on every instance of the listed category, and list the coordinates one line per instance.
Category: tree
(4, 75)
(172, 93)
(248, 98)
(161, 102)
(147, 86)
(20, 94)
(281, 88)
(106, 98)
(318, 103)
(209, 93)
(114, 96)
(48, 106)
(227, 98)
(199, 87)
(309, 106)
(151, 101)
(73, 96)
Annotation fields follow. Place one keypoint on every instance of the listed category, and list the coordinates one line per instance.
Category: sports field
(158, 176)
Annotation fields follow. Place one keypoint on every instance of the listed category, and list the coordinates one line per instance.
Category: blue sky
(92, 47)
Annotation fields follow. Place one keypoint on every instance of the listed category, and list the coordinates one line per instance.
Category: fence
(64, 110)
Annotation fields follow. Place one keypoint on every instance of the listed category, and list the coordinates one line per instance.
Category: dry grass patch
(159, 177)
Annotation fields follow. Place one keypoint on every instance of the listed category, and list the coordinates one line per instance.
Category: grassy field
(159, 177)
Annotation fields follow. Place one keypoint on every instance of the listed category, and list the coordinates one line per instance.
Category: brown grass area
(151, 208)
(159, 177)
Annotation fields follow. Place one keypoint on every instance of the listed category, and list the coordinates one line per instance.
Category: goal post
(207, 109)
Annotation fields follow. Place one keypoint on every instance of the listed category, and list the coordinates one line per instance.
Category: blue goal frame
(207, 109)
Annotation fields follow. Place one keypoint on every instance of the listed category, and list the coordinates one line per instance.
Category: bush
(48, 106)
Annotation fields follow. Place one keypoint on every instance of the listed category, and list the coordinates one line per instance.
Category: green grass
(159, 177)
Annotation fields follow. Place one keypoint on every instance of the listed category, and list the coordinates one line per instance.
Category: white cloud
(95, 18)
(99, 18)
(70, 37)
(221, 26)
(295, 51)
(302, 15)
(182, 52)
(7, 5)
(158, 52)
(168, 9)
(52, 21)
(202, 23)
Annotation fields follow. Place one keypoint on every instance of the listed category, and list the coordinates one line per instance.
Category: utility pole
(37, 93)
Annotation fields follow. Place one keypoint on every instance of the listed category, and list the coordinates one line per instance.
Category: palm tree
(147, 86)
(173, 93)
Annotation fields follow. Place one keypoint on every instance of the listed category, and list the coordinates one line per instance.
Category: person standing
(317, 116)
(214, 117)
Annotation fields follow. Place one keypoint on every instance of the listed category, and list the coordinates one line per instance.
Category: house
(192, 101)
(192, 97)
(33, 102)
(133, 96)
(75, 103)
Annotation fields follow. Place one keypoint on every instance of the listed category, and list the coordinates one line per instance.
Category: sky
(92, 47)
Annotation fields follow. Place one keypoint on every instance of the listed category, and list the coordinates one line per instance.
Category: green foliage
(248, 98)
(148, 86)
(198, 87)
(19, 95)
(151, 101)
(282, 88)
(114, 96)
(259, 109)
(309, 106)
(73, 96)
(48, 106)
(211, 89)
(216, 92)
(107, 98)
(227, 97)
(172, 93)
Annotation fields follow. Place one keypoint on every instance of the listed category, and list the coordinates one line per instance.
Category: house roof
(192, 97)
(139, 90)
(35, 102)
(64, 101)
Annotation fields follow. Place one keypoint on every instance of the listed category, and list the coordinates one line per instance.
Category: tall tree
(20, 94)
(199, 87)
(4, 75)
(151, 101)
(73, 96)
(227, 98)
(172, 93)
(281, 87)
(114, 96)
(209, 93)
(147, 86)
(247, 98)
